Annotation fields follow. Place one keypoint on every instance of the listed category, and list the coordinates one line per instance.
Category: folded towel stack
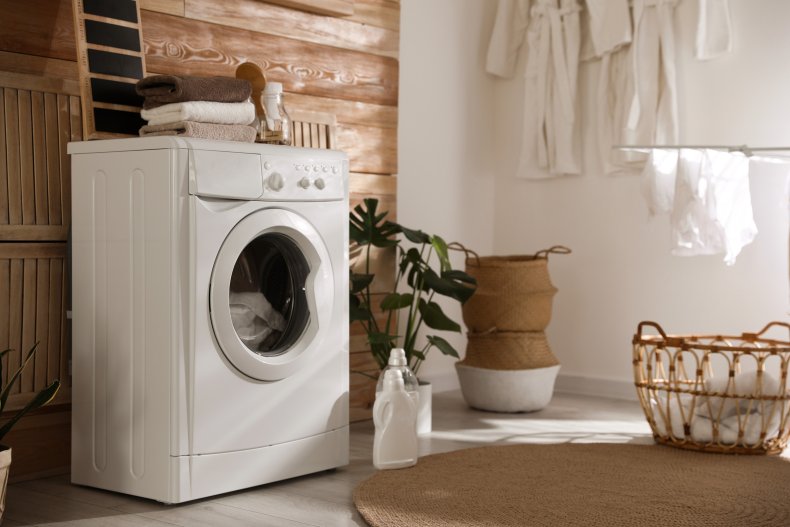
(210, 108)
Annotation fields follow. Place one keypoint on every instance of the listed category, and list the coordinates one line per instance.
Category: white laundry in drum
(254, 318)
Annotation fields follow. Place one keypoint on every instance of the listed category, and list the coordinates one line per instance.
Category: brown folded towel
(220, 132)
(166, 89)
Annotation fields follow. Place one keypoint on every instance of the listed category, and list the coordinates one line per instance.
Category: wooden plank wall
(331, 61)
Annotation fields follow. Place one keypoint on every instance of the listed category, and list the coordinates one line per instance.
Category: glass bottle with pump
(276, 125)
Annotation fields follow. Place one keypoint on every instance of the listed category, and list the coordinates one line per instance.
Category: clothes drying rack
(745, 149)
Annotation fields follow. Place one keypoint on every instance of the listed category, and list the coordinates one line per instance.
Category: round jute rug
(580, 485)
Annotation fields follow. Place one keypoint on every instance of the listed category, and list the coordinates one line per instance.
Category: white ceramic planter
(507, 390)
(5, 465)
(425, 409)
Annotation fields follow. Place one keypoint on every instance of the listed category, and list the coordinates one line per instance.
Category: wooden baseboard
(40, 443)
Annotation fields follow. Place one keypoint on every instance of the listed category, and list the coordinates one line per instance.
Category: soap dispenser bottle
(395, 418)
(397, 362)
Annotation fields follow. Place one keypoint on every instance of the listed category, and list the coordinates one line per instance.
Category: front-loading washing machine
(210, 315)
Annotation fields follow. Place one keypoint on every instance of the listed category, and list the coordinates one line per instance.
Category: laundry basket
(514, 293)
(713, 393)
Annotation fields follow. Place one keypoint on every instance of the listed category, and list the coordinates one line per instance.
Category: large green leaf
(440, 246)
(357, 310)
(395, 301)
(377, 338)
(460, 276)
(445, 347)
(41, 398)
(448, 287)
(434, 317)
(415, 236)
(366, 227)
(360, 281)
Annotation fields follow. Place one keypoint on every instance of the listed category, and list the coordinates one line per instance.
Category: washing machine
(210, 315)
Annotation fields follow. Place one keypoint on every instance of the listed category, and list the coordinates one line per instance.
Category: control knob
(320, 183)
(275, 181)
(304, 183)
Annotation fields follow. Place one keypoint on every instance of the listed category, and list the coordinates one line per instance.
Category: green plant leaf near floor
(423, 271)
(40, 399)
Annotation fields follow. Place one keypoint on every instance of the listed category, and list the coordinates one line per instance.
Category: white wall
(458, 140)
(621, 271)
(446, 165)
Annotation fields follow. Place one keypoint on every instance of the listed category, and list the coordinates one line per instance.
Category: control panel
(289, 179)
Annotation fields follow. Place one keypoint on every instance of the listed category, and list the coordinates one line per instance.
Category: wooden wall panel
(35, 173)
(276, 20)
(188, 47)
(33, 296)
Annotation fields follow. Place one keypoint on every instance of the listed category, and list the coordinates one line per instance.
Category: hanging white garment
(714, 29)
(610, 33)
(652, 109)
(712, 209)
(550, 145)
(658, 181)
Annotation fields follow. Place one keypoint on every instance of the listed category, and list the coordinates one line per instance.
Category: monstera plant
(423, 272)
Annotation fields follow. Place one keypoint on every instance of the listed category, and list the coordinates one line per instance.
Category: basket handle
(754, 336)
(652, 324)
(555, 249)
(458, 246)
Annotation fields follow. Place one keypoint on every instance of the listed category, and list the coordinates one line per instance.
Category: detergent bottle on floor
(395, 419)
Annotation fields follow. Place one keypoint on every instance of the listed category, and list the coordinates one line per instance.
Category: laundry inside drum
(268, 301)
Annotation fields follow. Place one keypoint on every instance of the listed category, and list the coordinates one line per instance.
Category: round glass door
(269, 283)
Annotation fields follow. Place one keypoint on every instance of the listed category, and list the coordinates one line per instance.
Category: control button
(325, 169)
(334, 170)
(275, 181)
(320, 183)
(267, 165)
(304, 183)
(315, 168)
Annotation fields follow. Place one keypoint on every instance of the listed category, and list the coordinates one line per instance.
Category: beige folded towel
(220, 132)
(202, 112)
(166, 89)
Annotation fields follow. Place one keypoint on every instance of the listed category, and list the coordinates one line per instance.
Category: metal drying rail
(745, 149)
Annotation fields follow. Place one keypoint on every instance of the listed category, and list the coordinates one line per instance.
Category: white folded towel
(671, 412)
(201, 111)
(734, 413)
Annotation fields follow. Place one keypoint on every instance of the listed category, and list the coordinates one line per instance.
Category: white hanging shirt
(714, 29)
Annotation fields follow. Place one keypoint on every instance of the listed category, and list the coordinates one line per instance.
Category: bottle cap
(273, 88)
(397, 357)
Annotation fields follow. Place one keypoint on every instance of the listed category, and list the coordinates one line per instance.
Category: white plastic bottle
(397, 362)
(395, 418)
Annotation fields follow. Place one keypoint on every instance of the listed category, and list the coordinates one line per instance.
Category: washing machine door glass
(268, 303)
(270, 289)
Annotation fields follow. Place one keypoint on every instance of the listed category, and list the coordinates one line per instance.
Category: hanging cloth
(714, 29)
(550, 144)
(652, 112)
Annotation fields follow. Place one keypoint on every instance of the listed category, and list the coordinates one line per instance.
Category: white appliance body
(170, 399)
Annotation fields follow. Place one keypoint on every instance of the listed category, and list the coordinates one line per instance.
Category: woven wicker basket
(500, 350)
(514, 293)
(715, 393)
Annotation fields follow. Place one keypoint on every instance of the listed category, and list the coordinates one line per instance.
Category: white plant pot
(424, 409)
(5, 466)
(507, 390)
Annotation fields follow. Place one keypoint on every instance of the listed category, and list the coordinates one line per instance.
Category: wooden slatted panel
(35, 172)
(313, 129)
(33, 296)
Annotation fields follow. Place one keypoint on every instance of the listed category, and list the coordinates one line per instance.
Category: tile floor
(325, 499)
